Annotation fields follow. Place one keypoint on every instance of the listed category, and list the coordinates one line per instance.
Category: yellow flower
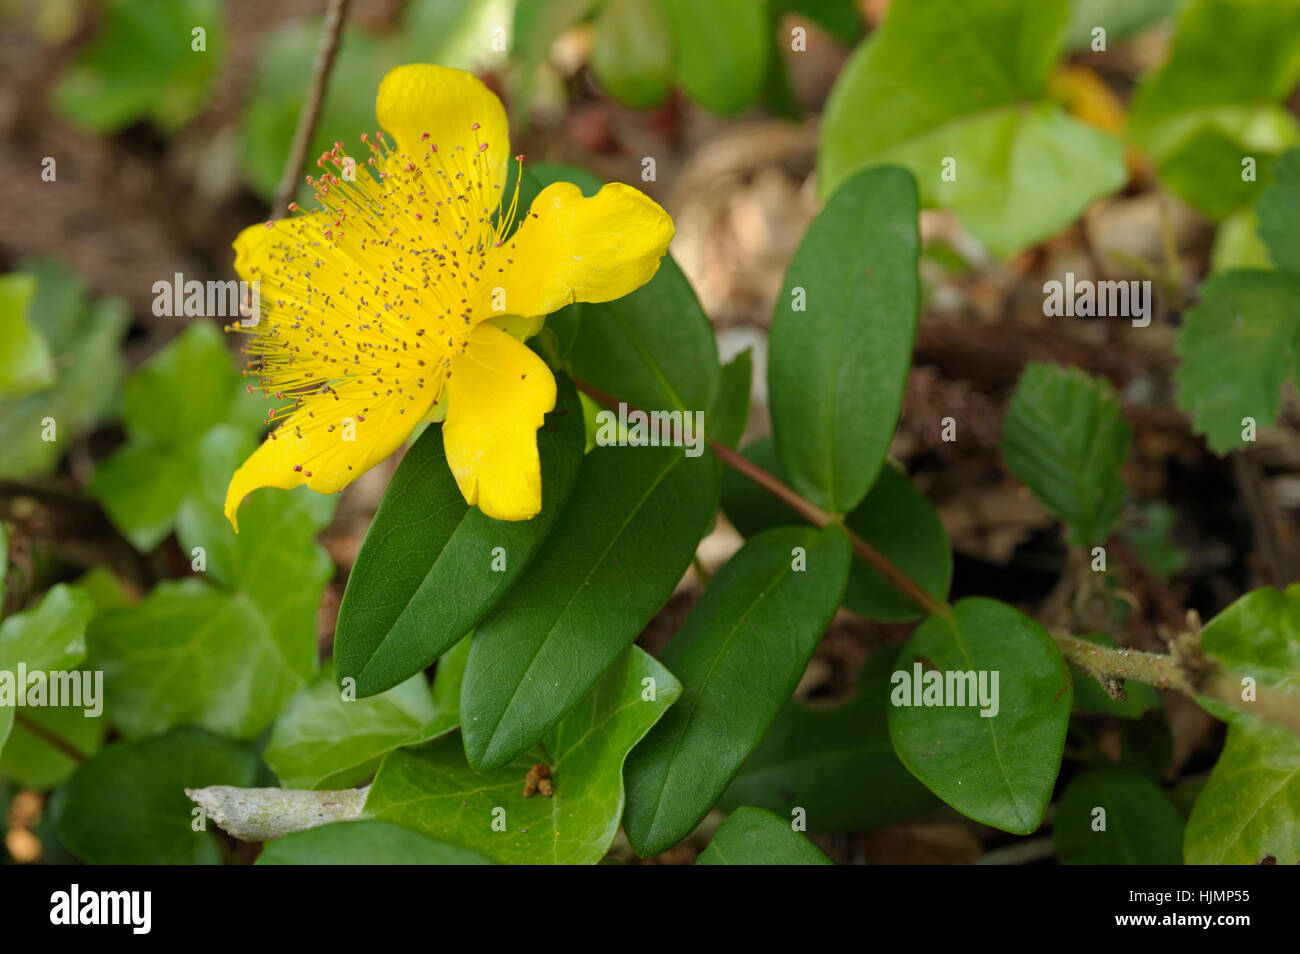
(387, 304)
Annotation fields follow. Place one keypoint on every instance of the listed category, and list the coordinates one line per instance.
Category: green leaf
(726, 422)
(364, 843)
(1237, 348)
(1140, 825)
(720, 50)
(1150, 536)
(753, 836)
(1277, 214)
(1220, 98)
(621, 544)
(49, 637)
(1247, 810)
(37, 428)
(1257, 636)
(323, 740)
(653, 348)
(895, 518)
(834, 762)
(996, 769)
(143, 66)
(32, 762)
(25, 363)
(1091, 699)
(632, 55)
(1120, 19)
(842, 337)
(739, 656)
(1065, 436)
(949, 80)
(170, 406)
(227, 654)
(433, 790)
(431, 567)
(127, 805)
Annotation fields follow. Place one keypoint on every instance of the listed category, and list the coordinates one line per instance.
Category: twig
(261, 814)
(310, 114)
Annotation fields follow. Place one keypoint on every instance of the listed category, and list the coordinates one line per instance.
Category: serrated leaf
(1249, 807)
(127, 805)
(949, 82)
(1219, 99)
(1065, 436)
(433, 790)
(1277, 214)
(836, 763)
(739, 656)
(1237, 348)
(432, 567)
(621, 544)
(322, 740)
(997, 769)
(753, 836)
(364, 843)
(894, 517)
(1141, 824)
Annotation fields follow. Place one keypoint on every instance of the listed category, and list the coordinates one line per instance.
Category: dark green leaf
(836, 370)
(998, 769)
(752, 836)
(432, 567)
(621, 544)
(739, 656)
(127, 805)
(1137, 823)
(1277, 214)
(720, 51)
(726, 422)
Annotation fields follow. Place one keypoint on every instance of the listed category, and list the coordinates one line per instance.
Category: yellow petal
(328, 444)
(498, 393)
(454, 109)
(570, 248)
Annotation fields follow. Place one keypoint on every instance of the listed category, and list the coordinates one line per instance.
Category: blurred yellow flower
(403, 297)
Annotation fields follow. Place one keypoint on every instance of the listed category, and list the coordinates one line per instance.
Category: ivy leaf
(1276, 211)
(25, 363)
(144, 66)
(224, 653)
(364, 843)
(754, 836)
(32, 762)
(836, 370)
(894, 517)
(432, 567)
(170, 405)
(1220, 99)
(611, 561)
(1237, 347)
(127, 805)
(1065, 436)
(834, 762)
(951, 82)
(997, 769)
(83, 340)
(49, 637)
(433, 790)
(1141, 824)
(324, 741)
(1248, 808)
(739, 656)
